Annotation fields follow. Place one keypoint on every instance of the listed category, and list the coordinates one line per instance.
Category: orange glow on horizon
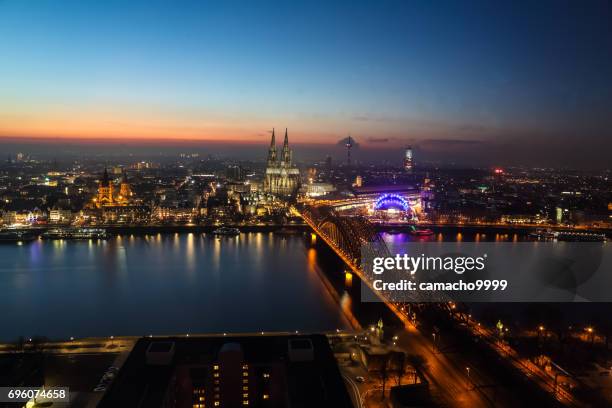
(127, 123)
(155, 125)
(88, 129)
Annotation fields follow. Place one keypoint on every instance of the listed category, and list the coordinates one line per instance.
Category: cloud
(451, 142)
(378, 139)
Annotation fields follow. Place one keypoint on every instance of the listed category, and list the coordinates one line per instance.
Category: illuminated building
(282, 176)
(317, 189)
(408, 163)
(125, 191)
(404, 197)
(125, 214)
(60, 215)
(105, 191)
(358, 181)
(427, 194)
(229, 371)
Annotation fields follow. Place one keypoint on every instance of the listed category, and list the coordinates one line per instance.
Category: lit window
(245, 402)
(217, 403)
(266, 396)
(245, 380)
(266, 375)
(216, 375)
(215, 367)
(245, 366)
(245, 388)
(245, 374)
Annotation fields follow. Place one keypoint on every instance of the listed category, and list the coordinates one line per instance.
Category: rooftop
(308, 383)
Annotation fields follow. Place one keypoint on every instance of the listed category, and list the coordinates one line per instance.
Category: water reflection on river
(164, 283)
(197, 283)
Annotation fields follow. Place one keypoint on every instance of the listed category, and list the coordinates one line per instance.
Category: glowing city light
(387, 200)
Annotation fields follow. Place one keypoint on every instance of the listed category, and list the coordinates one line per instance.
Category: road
(446, 372)
(451, 383)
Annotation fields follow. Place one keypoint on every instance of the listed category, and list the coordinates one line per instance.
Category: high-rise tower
(408, 164)
(349, 145)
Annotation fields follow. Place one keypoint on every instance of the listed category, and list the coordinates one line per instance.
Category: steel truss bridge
(355, 240)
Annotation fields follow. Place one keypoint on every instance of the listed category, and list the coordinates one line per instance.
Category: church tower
(272, 151)
(105, 190)
(286, 154)
(125, 190)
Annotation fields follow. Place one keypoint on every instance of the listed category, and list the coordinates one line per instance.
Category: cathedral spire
(286, 155)
(105, 178)
(272, 151)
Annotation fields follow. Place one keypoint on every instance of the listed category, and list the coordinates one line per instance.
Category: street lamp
(468, 376)
(591, 331)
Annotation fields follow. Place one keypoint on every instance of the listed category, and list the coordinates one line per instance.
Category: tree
(384, 373)
(399, 360)
(417, 361)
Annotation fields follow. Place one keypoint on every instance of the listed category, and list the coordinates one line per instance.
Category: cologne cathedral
(282, 176)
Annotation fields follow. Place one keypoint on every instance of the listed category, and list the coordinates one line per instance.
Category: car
(360, 379)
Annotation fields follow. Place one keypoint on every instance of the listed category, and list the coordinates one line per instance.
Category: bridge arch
(386, 201)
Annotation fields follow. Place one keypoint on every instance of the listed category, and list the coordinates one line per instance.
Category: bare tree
(399, 364)
(417, 362)
(384, 373)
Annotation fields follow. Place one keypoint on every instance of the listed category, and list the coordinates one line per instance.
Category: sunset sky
(388, 72)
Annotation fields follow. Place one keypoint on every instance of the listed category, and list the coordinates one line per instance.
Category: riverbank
(119, 229)
(496, 228)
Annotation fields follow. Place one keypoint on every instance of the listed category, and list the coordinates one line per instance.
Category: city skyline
(508, 81)
(305, 203)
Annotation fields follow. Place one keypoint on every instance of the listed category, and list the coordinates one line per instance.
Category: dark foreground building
(226, 371)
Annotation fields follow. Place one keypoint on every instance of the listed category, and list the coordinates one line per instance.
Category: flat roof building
(229, 371)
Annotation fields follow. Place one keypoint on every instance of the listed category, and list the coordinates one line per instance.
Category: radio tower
(349, 144)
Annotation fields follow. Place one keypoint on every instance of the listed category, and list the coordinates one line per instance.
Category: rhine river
(175, 284)
(164, 284)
